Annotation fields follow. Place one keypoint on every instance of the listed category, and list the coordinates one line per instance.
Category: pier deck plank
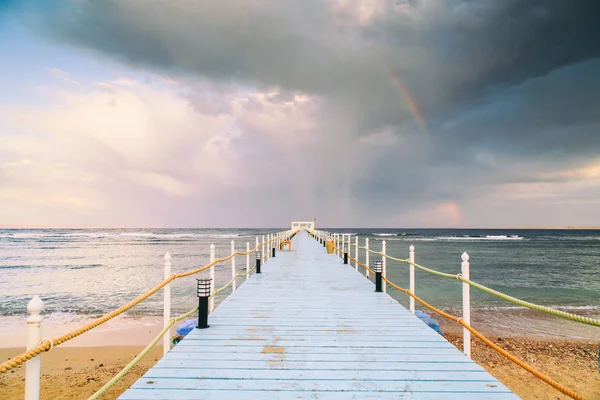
(310, 327)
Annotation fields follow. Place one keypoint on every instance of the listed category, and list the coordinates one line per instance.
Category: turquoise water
(89, 272)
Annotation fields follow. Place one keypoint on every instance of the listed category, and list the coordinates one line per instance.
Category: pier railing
(342, 248)
(264, 249)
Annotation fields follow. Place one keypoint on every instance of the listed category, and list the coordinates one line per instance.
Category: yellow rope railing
(536, 307)
(47, 344)
(108, 385)
(561, 388)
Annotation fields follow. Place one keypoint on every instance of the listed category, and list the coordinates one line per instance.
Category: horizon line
(566, 227)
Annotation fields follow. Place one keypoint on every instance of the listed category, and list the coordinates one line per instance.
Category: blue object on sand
(187, 326)
(432, 323)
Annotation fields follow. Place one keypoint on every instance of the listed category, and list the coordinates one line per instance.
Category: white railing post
(211, 305)
(348, 247)
(268, 246)
(383, 265)
(247, 259)
(34, 336)
(466, 305)
(233, 286)
(262, 254)
(337, 237)
(411, 258)
(335, 243)
(343, 243)
(356, 252)
(334, 238)
(367, 257)
(167, 305)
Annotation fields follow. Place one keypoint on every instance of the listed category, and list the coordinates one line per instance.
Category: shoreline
(120, 331)
(139, 330)
(77, 372)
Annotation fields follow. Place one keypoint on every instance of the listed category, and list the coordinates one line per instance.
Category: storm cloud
(370, 112)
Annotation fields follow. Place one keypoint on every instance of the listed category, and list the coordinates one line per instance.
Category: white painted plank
(314, 344)
(324, 366)
(339, 358)
(191, 349)
(274, 374)
(320, 385)
(144, 394)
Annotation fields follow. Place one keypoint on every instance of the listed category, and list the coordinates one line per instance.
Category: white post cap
(35, 307)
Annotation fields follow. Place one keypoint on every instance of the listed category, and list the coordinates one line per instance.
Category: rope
(362, 265)
(153, 343)
(536, 307)
(509, 356)
(140, 356)
(217, 291)
(561, 388)
(47, 344)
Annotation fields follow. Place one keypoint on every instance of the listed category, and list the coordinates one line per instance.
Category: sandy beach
(77, 372)
(569, 362)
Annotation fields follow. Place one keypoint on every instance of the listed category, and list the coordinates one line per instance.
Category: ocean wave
(87, 234)
(27, 235)
(82, 266)
(457, 238)
(17, 266)
(385, 234)
(487, 237)
(66, 237)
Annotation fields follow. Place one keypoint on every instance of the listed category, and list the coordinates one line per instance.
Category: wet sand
(77, 372)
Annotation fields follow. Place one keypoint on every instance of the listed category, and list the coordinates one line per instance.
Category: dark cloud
(447, 53)
(509, 89)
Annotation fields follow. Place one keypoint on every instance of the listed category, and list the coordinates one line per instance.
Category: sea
(82, 273)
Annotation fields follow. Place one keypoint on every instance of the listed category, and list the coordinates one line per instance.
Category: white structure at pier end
(300, 225)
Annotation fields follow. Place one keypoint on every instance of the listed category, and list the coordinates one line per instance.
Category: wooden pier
(310, 327)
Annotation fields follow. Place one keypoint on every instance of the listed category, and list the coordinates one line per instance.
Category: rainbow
(412, 105)
(455, 213)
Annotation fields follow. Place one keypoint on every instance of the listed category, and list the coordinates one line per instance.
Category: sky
(359, 113)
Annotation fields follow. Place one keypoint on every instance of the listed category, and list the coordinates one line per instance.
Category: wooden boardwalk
(310, 327)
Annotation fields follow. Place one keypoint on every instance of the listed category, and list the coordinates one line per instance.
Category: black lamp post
(203, 289)
(258, 258)
(378, 267)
